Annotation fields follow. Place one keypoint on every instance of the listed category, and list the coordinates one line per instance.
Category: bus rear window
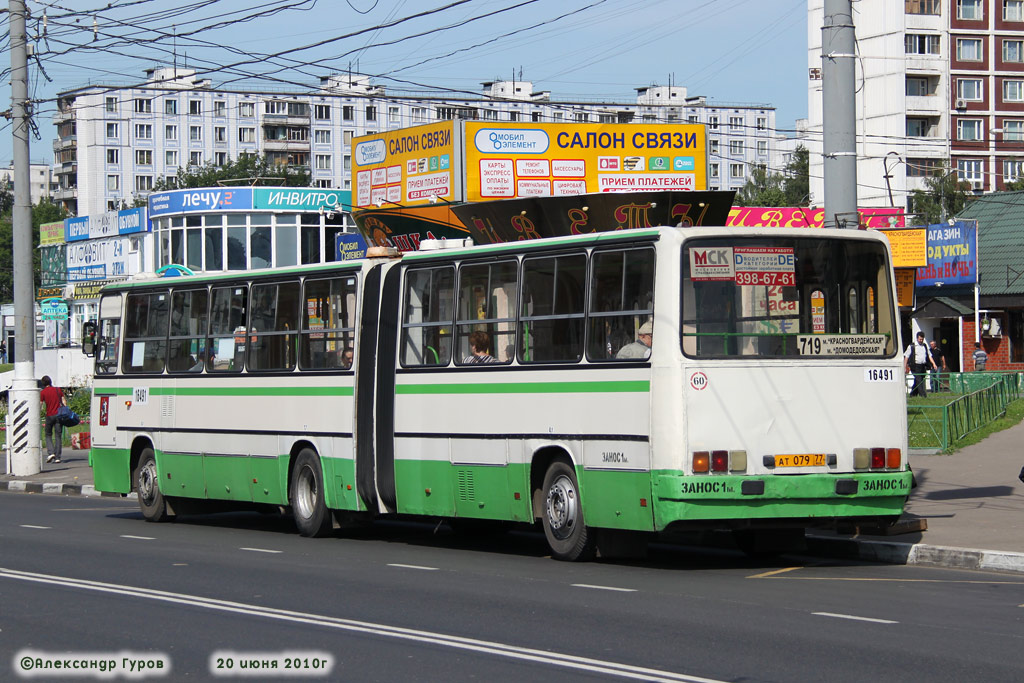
(779, 297)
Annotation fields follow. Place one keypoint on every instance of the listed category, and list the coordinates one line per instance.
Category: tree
(798, 178)
(247, 169)
(44, 212)
(946, 196)
(789, 188)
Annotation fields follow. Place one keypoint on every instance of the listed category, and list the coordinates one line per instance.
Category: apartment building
(940, 85)
(116, 142)
(40, 179)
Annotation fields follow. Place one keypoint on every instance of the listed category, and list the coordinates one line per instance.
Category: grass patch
(1014, 415)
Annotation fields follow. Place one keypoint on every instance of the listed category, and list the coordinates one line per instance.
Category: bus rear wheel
(569, 538)
(147, 487)
(307, 496)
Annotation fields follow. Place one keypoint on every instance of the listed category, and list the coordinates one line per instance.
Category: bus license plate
(800, 460)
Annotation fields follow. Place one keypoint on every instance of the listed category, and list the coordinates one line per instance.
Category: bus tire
(147, 486)
(306, 496)
(568, 537)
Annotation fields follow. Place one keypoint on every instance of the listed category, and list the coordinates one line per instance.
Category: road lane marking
(262, 550)
(34, 526)
(412, 566)
(605, 588)
(139, 538)
(855, 618)
(488, 647)
(773, 572)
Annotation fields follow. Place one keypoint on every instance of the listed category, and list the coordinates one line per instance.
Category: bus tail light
(861, 458)
(701, 461)
(737, 461)
(877, 458)
(893, 458)
(719, 461)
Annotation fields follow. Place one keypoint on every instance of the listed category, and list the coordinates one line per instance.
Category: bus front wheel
(147, 487)
(307, 496)
(567, 535)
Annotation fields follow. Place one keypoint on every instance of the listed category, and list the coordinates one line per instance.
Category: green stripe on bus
(631, 386)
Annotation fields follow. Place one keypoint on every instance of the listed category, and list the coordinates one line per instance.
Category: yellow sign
(506, 160)
(407, 167)
(909, 247)
(905, 286)
(51, 233)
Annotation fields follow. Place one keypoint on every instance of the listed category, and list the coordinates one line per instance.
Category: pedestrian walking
(53, 399)
(980, 357)
(917, 359)
(3, 352)
(939, 356)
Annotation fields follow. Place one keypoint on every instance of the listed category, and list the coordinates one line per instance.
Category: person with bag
(53, 399)
(916, 359)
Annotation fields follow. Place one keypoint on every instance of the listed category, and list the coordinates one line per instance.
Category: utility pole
(23, 438)
(839, 123)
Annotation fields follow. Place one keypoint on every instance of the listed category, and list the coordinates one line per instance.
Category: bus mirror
(89, 338)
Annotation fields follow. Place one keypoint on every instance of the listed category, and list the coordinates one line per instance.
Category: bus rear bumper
(816, 497)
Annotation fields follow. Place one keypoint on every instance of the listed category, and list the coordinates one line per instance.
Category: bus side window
(327, 337)
(487, 304)
(227, 315)
(621, 300)
(274, 315)
(188, 330)
(146, 316)
(552, 315)
(427, 319)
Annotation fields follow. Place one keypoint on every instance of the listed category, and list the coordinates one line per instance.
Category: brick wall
(997, 348)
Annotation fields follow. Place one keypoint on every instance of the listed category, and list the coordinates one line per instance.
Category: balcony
(926, 104)
(286, 145)
(65, 143)
(65, 193)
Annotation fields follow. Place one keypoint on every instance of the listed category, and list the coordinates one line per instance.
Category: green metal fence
(977, 399)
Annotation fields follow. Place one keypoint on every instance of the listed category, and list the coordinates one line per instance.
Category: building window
(581, 117)
(113, 156)
(113, 183)
(419, 114)
(762, 123)
(736, 148)
(917, 87)
(968, 129)
(1013, 51)
(969, 89)
(918, 127)
(144, 157)
(1013, 130)
(921, 7)
(322, 137)
(968, 49)
(171, 107)
(347, 112)
(714, 147)
(919, 168)
(247, 135)
(143, 183)
(735, 170)
(247, 109)
(111, 130)
(735, 123)
(970, 170)
(195, 158)
(346, 163)
(195, 133)
(920, 44)
(220, 108)
(714, 170)
(762, 148)
(371, 113)
(170, 132)
(1013, 169)
(195, 107)
(143, 131)
(143, 105)
(713, 122)
(220, 158)
(393, 115)
(969, 9)
(323, 162)
(514, 116)
(111, 104)
(1013, 91)
(171, 158)
(1013, 10)
(322, 112)
(220, 134)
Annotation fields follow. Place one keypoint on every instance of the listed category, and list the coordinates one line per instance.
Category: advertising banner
(952, 255)
(300, 199)
(802, 217)
(909, 247)
(196, 200)
(51, 233)
(349, 246)
(100, 259)
(409, 167)
(508, 160)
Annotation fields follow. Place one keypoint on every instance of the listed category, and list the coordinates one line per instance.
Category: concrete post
(839, 123)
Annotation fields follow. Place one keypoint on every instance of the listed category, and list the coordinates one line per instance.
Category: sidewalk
(972, 502)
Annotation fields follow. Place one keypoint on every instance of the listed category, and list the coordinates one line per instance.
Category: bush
(80, 401)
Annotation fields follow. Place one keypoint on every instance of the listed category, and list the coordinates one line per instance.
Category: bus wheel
(564, 529)
(307, 496)
(147, 486)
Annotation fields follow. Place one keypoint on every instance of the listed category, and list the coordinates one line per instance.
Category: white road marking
(850, 616)
(34, 526)
(605, 588)
(412, 566)
(139, 538)
(262, 550)
(440, 639)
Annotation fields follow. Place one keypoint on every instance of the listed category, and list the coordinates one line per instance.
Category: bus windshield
(781, 297)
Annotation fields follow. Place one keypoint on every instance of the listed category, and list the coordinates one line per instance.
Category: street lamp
(888, 174)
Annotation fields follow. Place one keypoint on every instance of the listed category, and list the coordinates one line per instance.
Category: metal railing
(980, 398)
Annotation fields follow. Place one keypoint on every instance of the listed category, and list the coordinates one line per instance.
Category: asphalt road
(87, 576)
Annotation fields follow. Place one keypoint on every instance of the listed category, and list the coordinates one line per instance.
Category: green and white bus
(762, 387)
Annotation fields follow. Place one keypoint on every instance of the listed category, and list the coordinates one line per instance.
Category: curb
(59, 489)
(921, 554)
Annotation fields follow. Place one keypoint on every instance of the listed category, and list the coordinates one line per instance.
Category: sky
(731, 51)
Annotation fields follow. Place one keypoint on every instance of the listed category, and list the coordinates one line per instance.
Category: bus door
(106, 410)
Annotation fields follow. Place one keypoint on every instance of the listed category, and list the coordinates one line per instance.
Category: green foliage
(44, 212)
(247, 169)
(80, 401)
(789, 188)
(945, 197)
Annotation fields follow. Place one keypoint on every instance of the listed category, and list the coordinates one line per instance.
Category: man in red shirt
(54, 399)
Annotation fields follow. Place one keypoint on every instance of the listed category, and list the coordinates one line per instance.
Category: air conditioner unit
(961, 104)
(976, 185)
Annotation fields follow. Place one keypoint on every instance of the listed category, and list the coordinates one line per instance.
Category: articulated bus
(604, 386)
